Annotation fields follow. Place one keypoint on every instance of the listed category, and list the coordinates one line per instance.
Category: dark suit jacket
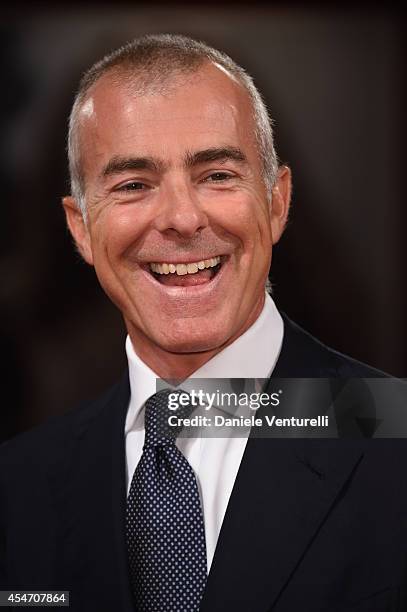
(311, 525)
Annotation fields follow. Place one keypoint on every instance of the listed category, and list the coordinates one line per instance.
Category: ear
(78, 228)
(280, 202)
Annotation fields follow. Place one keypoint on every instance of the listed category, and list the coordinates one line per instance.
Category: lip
(187, 260)
(203, 290)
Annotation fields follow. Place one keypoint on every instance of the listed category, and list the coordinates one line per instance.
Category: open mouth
(186, 274)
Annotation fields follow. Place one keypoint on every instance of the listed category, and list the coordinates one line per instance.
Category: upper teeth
(181, 269)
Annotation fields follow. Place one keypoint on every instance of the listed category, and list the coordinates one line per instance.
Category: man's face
(174, 182)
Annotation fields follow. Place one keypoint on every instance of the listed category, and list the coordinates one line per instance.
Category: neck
(175, 366)
(179, 366)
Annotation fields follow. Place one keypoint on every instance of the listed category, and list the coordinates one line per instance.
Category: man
(177, 201)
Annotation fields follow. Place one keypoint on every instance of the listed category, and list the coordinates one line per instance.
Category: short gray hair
(155, 57)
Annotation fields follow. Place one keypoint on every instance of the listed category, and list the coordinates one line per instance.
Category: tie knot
(159, 408)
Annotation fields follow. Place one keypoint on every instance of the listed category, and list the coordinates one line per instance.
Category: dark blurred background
(334, 82)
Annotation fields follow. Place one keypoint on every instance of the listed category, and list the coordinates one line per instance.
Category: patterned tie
(164, 523)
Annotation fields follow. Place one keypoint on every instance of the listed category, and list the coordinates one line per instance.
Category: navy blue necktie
(164, 523)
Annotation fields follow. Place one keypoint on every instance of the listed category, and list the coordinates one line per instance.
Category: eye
(218, 177)
(132, 186)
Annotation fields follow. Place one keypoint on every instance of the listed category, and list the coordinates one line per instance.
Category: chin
(193, 338)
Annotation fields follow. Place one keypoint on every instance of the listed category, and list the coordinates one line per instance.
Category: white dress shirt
(215, 461)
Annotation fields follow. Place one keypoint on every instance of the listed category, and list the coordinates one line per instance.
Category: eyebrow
(219, 154)
(119, 164)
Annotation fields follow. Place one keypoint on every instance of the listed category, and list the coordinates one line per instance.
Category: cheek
(117, 230)
(249, 221)
(252, 225)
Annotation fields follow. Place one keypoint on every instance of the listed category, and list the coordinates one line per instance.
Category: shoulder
(302, 355)
(48, 443)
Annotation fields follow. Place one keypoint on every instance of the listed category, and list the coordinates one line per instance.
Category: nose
(180, 211)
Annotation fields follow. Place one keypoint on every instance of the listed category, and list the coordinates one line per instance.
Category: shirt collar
(253, 355)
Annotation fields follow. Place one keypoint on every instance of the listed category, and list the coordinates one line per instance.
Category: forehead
(192, 111)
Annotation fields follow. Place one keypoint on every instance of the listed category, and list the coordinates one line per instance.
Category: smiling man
(177, 201)
(181, 213)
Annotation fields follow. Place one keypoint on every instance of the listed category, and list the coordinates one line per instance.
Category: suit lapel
(89, 490)
(282, 495)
